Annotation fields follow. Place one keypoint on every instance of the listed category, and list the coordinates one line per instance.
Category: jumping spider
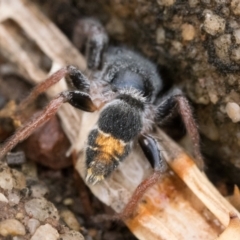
(124, 88)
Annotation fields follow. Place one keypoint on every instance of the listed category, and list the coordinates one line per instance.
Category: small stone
(3, 198)
(233, 24)
(29, 169)
(32, 225)
(236, 35)
(231, 79)
(213, 97)
(232, 96)
(19, 179)
(46, 232)
(13, 198)
(235, 56)
(233, 111)
(69, 218)
(41, 209)
(92, 232)
(39, 190)
(225, 11)
(209, 129)
(193, 3)
(165, 3)
(206, 2)
(15, 158)
(11, 227)
(48, 145)
(72, 235)
(19, 216)
(177, 46)
(213, 24)
(222, 45)
(221, 1)
(6, 180)
(68, 201)
(188, 32)
(18, 238)
(115, 27)
(235, 7)
(160, 35)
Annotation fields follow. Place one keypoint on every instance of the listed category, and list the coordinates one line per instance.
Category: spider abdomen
(119, 123)
(103, 154)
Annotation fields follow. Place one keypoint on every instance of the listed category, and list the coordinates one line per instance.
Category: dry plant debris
(183, 205)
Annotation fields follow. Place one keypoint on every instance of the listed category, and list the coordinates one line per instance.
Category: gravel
(24, 212)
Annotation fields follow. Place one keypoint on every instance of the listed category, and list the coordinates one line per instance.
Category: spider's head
(119, 123)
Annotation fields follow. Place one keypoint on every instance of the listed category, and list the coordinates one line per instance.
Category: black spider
(123, 87)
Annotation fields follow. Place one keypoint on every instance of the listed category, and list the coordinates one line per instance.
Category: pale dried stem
(232, 231)
(53, 44)
(47, 36)
(196, 180)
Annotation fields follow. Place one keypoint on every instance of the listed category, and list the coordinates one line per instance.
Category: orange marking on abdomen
(109, 147)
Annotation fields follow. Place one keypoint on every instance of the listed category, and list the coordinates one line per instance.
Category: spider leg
(73, 75)
(77, 79)
(151, 151)
(31, 125)
(176, 103)
(80, 100)
(89, 33)
(76, 98)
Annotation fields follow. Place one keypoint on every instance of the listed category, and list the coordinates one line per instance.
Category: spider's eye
(128, 79)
